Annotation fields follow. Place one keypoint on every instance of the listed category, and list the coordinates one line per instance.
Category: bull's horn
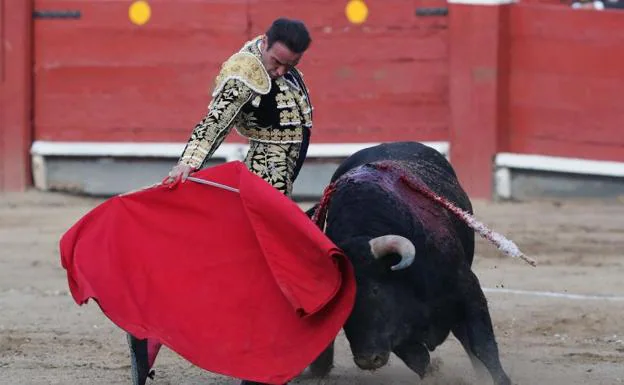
(386, 244)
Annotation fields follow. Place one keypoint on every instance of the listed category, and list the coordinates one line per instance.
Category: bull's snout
(371, 362)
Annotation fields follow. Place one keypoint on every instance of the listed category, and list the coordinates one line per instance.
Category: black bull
(412, 260)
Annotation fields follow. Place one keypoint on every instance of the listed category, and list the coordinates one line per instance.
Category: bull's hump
(391, 176)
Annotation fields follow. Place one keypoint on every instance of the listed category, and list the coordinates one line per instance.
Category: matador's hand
(178, 174)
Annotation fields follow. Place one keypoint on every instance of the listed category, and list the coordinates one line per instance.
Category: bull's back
(426, 165)
(411, 152)
(424, 162)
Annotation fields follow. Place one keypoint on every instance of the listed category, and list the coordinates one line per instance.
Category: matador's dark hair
(292, 33)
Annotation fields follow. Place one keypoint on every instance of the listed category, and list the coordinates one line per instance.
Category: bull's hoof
(433, 368)
(320, 370)
(503, 380)
(323, 364)
(416, 357)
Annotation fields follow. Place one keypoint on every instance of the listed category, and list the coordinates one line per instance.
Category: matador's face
(278, 59)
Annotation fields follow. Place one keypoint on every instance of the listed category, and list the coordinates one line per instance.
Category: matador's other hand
(178, 174)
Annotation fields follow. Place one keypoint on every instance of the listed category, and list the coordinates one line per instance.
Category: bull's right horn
(387, 244)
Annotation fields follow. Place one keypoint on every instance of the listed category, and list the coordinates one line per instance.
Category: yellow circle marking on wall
(356, 11)
(140, 12)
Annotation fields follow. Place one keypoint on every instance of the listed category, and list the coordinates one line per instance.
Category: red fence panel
(15, 94)
(103, 78)
(566, 81)
(541, 79)
(385, 79)
(478, 90)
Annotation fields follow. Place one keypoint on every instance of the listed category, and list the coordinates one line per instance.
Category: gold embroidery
(306, 111)
(247, 126)
(275, 163)
(290, 96)
(289, 118)
(247, 68)
(285, 100)
(294, 104)
(271, 135)
(273, 151)
(304, 104)
(208, 134)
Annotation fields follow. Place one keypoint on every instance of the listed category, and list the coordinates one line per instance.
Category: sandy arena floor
(45, 338)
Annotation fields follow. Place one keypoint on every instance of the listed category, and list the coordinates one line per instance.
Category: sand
(575, 337)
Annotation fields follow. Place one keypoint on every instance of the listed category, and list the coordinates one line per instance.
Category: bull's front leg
(414, 355)
(475, 330)
(319, 368)
(324, 363)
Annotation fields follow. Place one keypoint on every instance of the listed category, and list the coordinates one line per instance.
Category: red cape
(242, 283)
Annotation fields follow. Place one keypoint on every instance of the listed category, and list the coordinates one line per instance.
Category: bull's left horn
(386, 244)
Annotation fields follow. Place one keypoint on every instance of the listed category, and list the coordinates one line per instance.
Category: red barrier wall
(15, 94)
(478, 91)
(101, 78)
(384, 80)
(566, 80)
(540, 79)
(533, 79)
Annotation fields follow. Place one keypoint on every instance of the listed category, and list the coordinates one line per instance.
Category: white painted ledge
(228, 151)
(42, 150)
(505, 162)
(318, 150)
(122, 149)
(482, 2)
(502, 182)
(559, 164)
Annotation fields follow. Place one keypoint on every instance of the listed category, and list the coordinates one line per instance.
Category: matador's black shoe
(139, 361)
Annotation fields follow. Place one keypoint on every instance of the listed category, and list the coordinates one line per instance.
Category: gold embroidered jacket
(275, 115)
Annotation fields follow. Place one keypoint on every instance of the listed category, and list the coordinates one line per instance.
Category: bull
(412, 260)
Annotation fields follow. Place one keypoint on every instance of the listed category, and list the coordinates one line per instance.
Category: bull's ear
(386, 245)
